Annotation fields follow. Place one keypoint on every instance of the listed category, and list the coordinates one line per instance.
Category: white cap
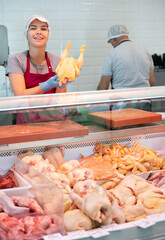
(116, 31)
(40, 18)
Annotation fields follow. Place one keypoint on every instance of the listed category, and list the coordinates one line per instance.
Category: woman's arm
(18, 86)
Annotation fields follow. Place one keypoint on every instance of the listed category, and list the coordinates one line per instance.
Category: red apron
(33, 80)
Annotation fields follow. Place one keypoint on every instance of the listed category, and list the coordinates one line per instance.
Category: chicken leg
(66, 51)
(80, 60)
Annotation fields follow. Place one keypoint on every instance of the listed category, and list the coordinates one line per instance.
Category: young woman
(33, 71)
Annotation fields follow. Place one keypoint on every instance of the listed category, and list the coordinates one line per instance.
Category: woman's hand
(52, 82)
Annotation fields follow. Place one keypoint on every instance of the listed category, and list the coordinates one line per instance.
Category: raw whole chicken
(59, 179)
(69, 166)
(76, 220)
(84, 187)
(138, 197)
(39, 163)
(69, 68)
(94, 205)
(80, 174)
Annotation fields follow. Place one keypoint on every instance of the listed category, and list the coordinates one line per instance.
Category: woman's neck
(37, 56)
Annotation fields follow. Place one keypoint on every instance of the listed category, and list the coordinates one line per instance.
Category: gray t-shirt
(129, 64)
(17, 64)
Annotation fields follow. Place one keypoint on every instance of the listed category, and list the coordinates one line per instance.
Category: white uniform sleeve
(107, 65)
(152, 63)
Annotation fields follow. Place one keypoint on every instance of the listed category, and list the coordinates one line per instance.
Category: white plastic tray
(23, 188)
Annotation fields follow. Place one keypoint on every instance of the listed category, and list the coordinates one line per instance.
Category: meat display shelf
(75, 138)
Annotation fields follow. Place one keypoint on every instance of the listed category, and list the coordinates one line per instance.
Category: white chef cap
(116, 31)
(40, 18)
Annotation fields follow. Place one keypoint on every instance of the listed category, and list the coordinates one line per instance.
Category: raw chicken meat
(108, 159)
(80, 174)
(25, 153)
(94, 205)
(39, 163)
(55, 156)
(8, 206)
(69, 166)
(154, 202)
(8, 180)
(67, 202)
(117, 213)
(84, 187)
(13, 227)
(124, 195)
(23, 201)
(3, 235)
(76, 220)
(102, 170)
(138, 197)
(59, 179)
(24, 226)
(69, 68)
(134, 212)
(158, 179)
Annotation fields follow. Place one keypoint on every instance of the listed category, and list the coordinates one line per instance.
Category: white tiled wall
(84, 22)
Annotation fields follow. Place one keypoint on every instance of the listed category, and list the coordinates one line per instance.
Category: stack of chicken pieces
(88, 205)
(21, 217)
(137, 197)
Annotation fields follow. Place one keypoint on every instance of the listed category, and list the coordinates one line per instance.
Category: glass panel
(80, 98)
(98, 111)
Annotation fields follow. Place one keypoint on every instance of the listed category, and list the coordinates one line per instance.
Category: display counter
(77, 121)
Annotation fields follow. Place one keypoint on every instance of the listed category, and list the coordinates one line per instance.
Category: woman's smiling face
(38, 33)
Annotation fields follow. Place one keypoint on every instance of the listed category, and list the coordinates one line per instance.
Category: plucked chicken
(94, 205)
(69, 68)
(76, 220)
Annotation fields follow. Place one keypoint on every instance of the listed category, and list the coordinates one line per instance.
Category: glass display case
(81, 116)
(79, 120)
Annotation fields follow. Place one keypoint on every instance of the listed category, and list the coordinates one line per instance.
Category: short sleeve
(107, 65)
(14, 65)
(152, 63)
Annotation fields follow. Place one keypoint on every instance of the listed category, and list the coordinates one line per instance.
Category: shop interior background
(84, 22)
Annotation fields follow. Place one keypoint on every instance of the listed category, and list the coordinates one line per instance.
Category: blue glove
(52, 82)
